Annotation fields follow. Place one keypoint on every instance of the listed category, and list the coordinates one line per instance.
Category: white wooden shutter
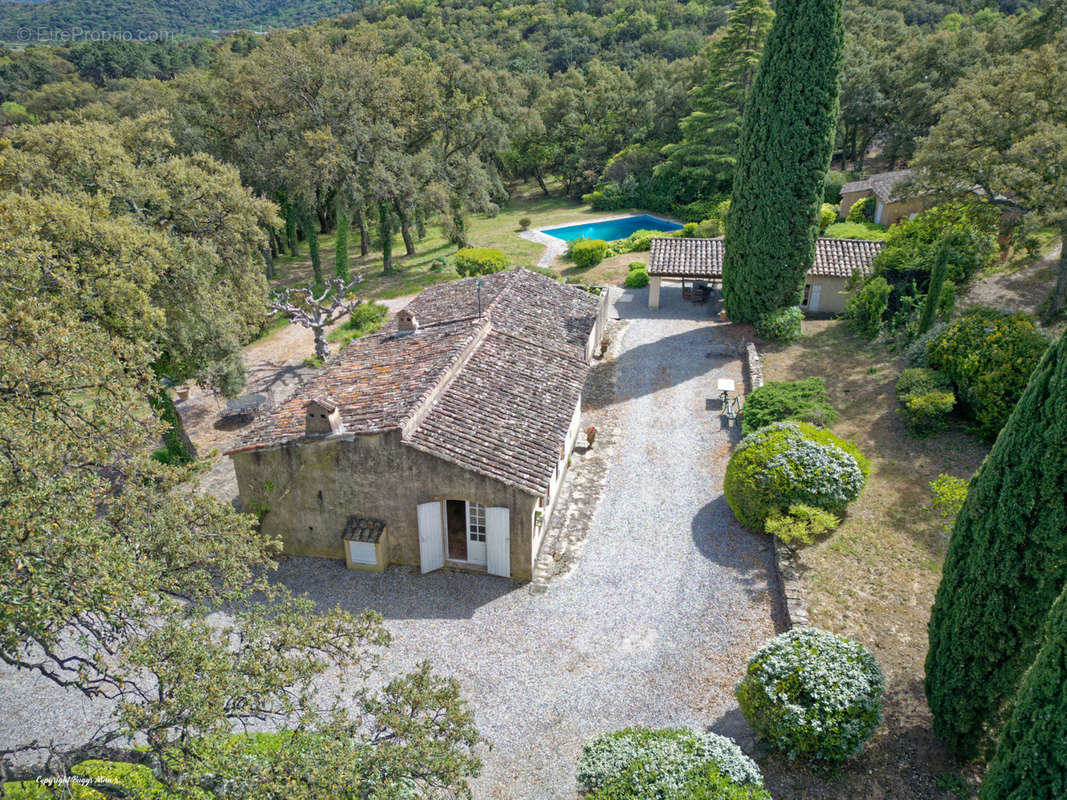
(813, 298)
(498, 540)
(431, 537)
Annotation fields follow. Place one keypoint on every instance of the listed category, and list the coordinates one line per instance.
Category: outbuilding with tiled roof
(449, 428)
(681, 260)
(894, 197)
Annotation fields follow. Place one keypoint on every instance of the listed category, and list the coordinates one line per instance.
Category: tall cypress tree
(933, 293)
(307, 224)
(1031, 759)
(1006, 564)
(786, 144)
(340, 247)
(703, 161)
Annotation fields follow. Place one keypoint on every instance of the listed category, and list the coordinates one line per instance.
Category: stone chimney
(406, 322)
(323, 417)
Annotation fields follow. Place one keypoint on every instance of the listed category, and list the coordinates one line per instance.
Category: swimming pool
(612, 229)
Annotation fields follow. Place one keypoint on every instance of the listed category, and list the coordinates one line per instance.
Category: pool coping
(556, 247)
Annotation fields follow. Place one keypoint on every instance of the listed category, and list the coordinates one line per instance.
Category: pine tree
(1006, 564)
(1031, 759)
(703, 161)
(786, 144)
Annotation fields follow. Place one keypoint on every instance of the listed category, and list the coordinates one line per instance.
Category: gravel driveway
(653, 625)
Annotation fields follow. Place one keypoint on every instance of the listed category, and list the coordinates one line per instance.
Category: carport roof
(702, 258)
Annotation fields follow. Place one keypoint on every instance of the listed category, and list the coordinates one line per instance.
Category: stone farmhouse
(439, 441)
(681, 260)
(892, 202)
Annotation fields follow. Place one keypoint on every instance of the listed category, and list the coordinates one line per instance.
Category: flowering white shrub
(792, 463)
(813, 695)
(668, 763)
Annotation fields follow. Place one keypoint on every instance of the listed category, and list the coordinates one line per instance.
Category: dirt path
(275, 366)
(1024, 289)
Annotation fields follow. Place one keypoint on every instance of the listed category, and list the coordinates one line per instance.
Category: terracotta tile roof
(378, 382)
(856, 186)
(507, 413)
(885, 185)
(494, 394)
(839, 258)
(363, 529)
(702, 258)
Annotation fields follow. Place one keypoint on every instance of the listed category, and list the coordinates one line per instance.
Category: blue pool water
(611, 230)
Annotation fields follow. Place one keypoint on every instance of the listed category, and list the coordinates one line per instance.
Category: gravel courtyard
(654, 624)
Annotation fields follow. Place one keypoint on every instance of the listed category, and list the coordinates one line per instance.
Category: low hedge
(774, 401)
(587, 253)
(637, 279)
(927, 412)
(921, 380)
(790, 463)
(480, 260)
(674, 763)
(813, 695)
(800, 524)
(988, 355)
(782, 325)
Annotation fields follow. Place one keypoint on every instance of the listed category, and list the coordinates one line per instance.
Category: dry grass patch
(609, 272)
(874, 579)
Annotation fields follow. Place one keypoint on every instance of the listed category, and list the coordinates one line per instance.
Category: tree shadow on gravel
(397, 593)
(749, 556)
(670, 361)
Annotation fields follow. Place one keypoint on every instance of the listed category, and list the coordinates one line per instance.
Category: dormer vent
(323, 417)
(406, 321)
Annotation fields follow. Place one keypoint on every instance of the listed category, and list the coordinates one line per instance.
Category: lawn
(414, 273)
(874, 579)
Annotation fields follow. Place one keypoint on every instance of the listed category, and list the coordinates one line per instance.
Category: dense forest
(405, 114)
(143, 17)
(38, 21)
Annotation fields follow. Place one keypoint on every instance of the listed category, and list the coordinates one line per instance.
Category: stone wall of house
(902, 209)
(311, 488)
(849, 199)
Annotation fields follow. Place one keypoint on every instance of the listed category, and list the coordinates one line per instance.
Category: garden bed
(874, 579)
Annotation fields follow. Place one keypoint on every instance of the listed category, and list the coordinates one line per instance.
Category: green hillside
(50, 20)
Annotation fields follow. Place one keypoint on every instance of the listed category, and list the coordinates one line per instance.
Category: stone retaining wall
(784, 562)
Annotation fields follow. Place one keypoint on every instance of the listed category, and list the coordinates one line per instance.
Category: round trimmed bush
(988, 355)
(587, 253)
(782, 325)
(862, 210)
(637, 279)
(813, 695)
(674, 763)
(827, 216)
(525, 223)
(480, 260)
(916, 353)
(927, 412)
(790, 463)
